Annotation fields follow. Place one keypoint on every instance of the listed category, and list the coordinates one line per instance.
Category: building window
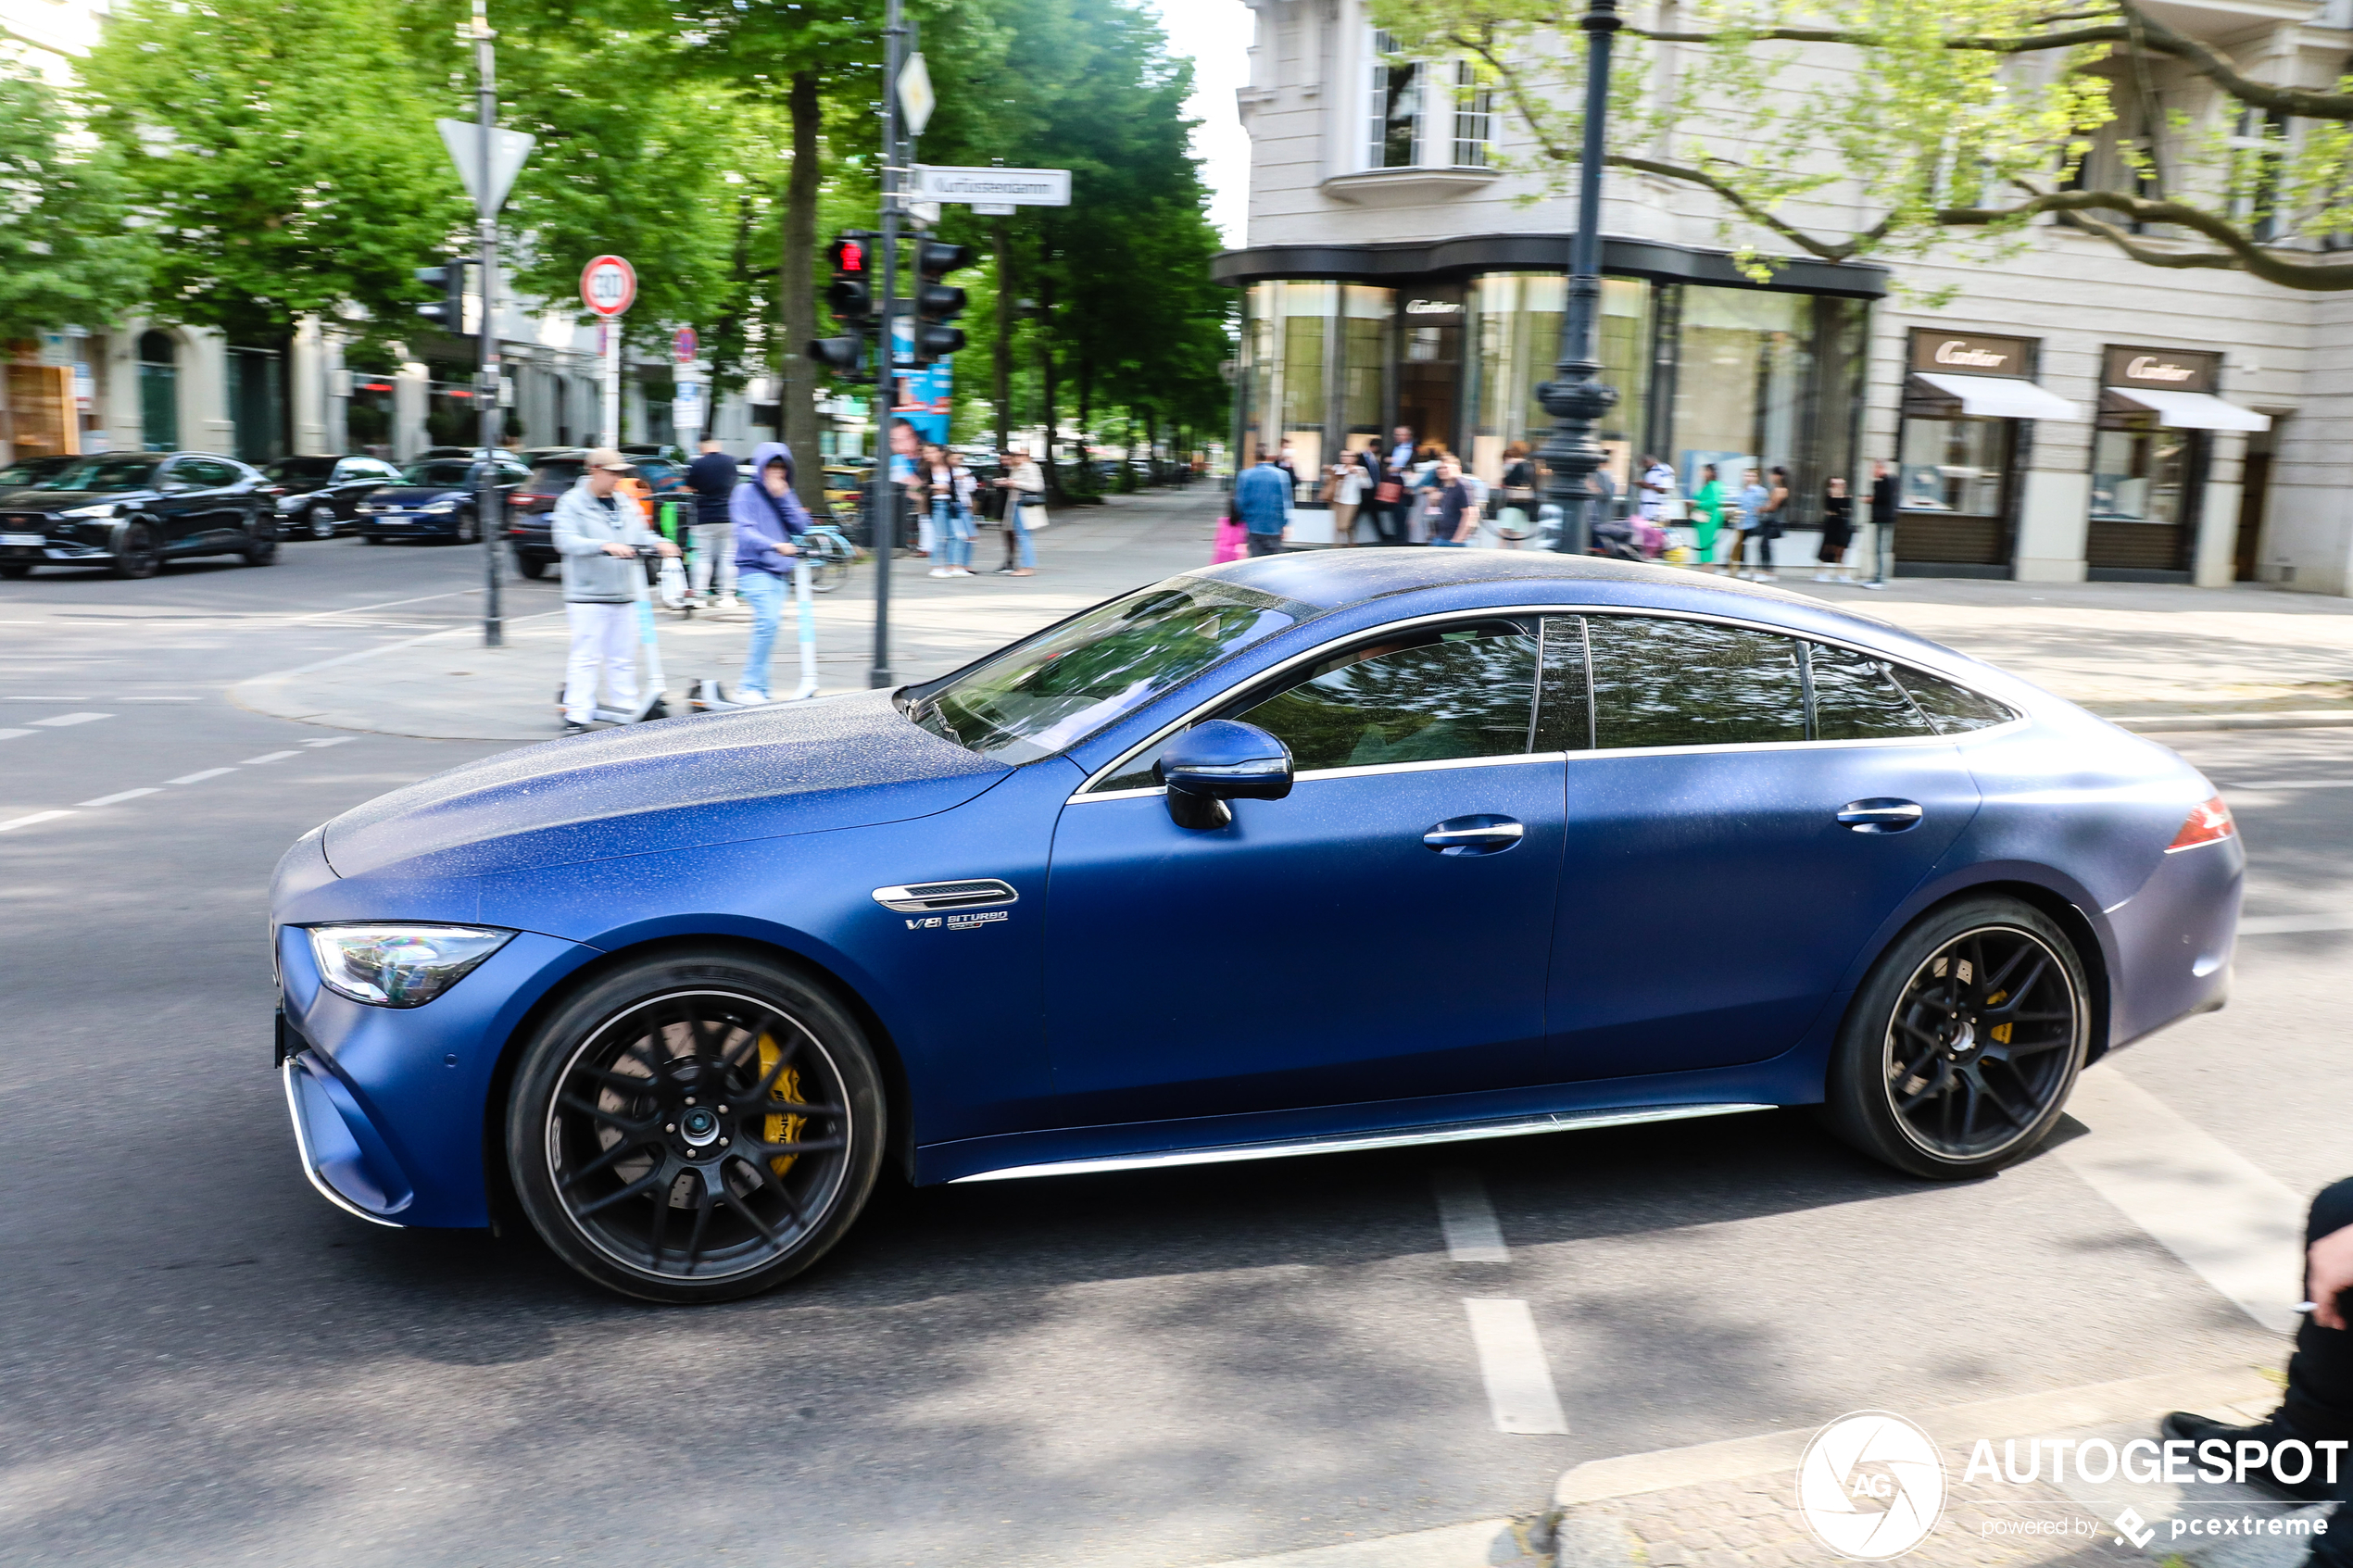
(1427, 113)
(158, 393)
(257, 403)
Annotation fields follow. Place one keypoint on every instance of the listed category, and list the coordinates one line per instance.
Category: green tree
(282, 153)
(1947, 116)
(68, 254)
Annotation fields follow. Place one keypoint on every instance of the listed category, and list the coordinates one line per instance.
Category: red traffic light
(850, 252)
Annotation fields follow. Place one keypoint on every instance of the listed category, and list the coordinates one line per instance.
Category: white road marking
(2295, 783)
(332, 740)
(2236, 1225)
(268, 757)
(11, 734)
(61, 720)
(126, 795)
(199, 778)
(36, 817)
(1468, 1220)
(2282, 926)
(1511, 1362)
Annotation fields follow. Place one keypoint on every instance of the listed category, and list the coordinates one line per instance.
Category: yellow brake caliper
(781, 1128)
(2001, 1032)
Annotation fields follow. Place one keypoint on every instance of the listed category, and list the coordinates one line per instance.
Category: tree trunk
(1084, 436)
(797, 288)
(1004, 390)
(1046, 366)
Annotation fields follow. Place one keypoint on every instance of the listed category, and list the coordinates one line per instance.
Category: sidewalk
(2154, 656)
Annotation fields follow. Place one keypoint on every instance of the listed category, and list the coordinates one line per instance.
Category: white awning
(2192, 410)
(2002, 398)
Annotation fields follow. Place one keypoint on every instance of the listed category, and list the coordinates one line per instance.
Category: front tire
(469, 528)
(321, 519)
(136, 555)
(696, 1127)
(1963, 1043)
(261, 547)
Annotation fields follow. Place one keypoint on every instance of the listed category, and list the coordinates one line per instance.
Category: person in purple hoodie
(768, 518)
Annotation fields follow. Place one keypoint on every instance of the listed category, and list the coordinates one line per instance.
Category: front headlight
(400, 966)
(104, 508)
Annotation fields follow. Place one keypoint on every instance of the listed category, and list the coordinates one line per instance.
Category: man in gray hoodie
(598, 534)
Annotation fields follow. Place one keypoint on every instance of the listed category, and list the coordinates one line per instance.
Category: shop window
(1367, 316)
(1514, 337)
(1957, 465)
(158, 392)
(2144, 479)
(1742, 362)
(1425, 113)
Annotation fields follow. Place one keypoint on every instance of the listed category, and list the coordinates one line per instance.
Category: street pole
(487, 514)
(1577, 397)
(882, 506)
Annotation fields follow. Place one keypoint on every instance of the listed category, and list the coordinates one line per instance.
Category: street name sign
(996, 187)
(607, 285)
(508, 150)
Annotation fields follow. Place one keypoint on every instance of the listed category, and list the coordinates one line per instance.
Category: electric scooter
(710, 695)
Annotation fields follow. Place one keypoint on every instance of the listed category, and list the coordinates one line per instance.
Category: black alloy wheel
(469, 528)
(1961, 1048)
(696, 1129)
(321, 518)
(135, 554)
(261, 543)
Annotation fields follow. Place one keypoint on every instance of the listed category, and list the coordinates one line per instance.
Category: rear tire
(526, 566)
(373, 538)
(644, 1138)
(469, 528)
(15, 571)
(1963, 1042)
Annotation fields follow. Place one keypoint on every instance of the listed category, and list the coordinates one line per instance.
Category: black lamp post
(1577, 397)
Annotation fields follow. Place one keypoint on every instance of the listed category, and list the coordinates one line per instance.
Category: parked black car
(434, 498)
(131, 511)
(529, 509)
(319, 496)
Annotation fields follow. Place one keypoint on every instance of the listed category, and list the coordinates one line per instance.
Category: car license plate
(22, 539)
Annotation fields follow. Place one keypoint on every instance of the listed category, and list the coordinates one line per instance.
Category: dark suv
(530, 507)
(131, 511)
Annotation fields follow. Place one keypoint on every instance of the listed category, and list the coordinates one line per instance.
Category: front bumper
(391, 1105)
(408, 526)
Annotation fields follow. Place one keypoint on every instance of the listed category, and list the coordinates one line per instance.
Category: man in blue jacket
(712, 478)
(1262, 504)
(767, 516)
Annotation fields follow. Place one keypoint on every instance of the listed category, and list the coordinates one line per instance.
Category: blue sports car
(1313, 852)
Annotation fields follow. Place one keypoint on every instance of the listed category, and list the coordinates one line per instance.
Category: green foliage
(67, 254)
(281, 151)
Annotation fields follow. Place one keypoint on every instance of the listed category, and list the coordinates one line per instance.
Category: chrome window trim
(1087, 792)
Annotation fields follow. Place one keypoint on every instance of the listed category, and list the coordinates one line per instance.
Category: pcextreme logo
(1871, 1486)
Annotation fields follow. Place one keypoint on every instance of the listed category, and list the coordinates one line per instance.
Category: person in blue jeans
(768, 518)
(1262, 504)
(949, 488)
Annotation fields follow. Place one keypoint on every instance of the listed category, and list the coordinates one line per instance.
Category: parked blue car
(1313, 852)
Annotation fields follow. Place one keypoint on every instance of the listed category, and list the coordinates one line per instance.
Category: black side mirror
(1223, 759)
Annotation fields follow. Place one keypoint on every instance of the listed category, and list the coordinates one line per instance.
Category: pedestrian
(1838, 532)
(2317, 1406)
(599, 538)
(1765, 525)
(1750, 503)
(1708, 517)
(1350, 480)
(767, 516)
(1025, 486)
(1657, 488)
(712, 478)
(1883, 518)
(1262, 504)
(1390, 502)
(948, 490)
(1454, 510)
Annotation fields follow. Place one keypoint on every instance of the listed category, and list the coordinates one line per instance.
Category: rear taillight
(2209, 823)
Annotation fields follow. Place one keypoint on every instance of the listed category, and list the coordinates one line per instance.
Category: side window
(1429, 697)
(1951, 708)
(1658, 682)
(203, 472)
(1857, 699)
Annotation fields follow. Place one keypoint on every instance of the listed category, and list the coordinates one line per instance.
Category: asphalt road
(201, 1363)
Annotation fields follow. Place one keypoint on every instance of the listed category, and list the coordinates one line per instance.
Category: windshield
(104, 474)
(441, 472)
(1036, 699)
(32, 469)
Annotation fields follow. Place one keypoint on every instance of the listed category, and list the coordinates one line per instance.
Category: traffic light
(448, 312)
(852, 297)
(938, 303)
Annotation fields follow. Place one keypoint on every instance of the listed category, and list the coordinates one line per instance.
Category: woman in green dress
(1707, 516)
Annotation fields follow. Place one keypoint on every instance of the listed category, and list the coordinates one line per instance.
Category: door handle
(1879, 816)
(1474, 835)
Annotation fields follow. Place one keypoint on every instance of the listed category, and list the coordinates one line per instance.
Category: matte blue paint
(1671, 928)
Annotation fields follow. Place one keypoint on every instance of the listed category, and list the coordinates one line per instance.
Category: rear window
(554, 477)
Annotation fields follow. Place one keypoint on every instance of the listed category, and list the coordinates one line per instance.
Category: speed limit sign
(608, 285)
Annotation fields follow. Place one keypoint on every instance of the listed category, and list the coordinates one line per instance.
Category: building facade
(2063, 413)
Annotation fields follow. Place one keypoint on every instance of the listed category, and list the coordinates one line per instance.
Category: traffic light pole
(487, 514)
(881, 507)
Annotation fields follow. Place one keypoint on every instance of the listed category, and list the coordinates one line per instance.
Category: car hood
(839, 762)
(65, 500)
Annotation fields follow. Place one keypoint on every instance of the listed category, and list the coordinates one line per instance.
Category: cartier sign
(1433, 307)
(1971, 354)
(2163, 369)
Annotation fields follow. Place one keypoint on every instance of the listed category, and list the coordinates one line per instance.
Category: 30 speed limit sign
(607, 285)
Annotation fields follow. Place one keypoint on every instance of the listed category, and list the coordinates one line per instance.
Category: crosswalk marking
(125, 795)
(36, 817)
(199, 778)
(268, 757)
(1511, 1362)
(61, 720)
(1467, 1219)
(2283, 925)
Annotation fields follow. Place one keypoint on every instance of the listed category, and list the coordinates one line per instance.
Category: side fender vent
(922, 897)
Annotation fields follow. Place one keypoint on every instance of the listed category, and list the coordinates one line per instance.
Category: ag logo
(1871, 1486)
